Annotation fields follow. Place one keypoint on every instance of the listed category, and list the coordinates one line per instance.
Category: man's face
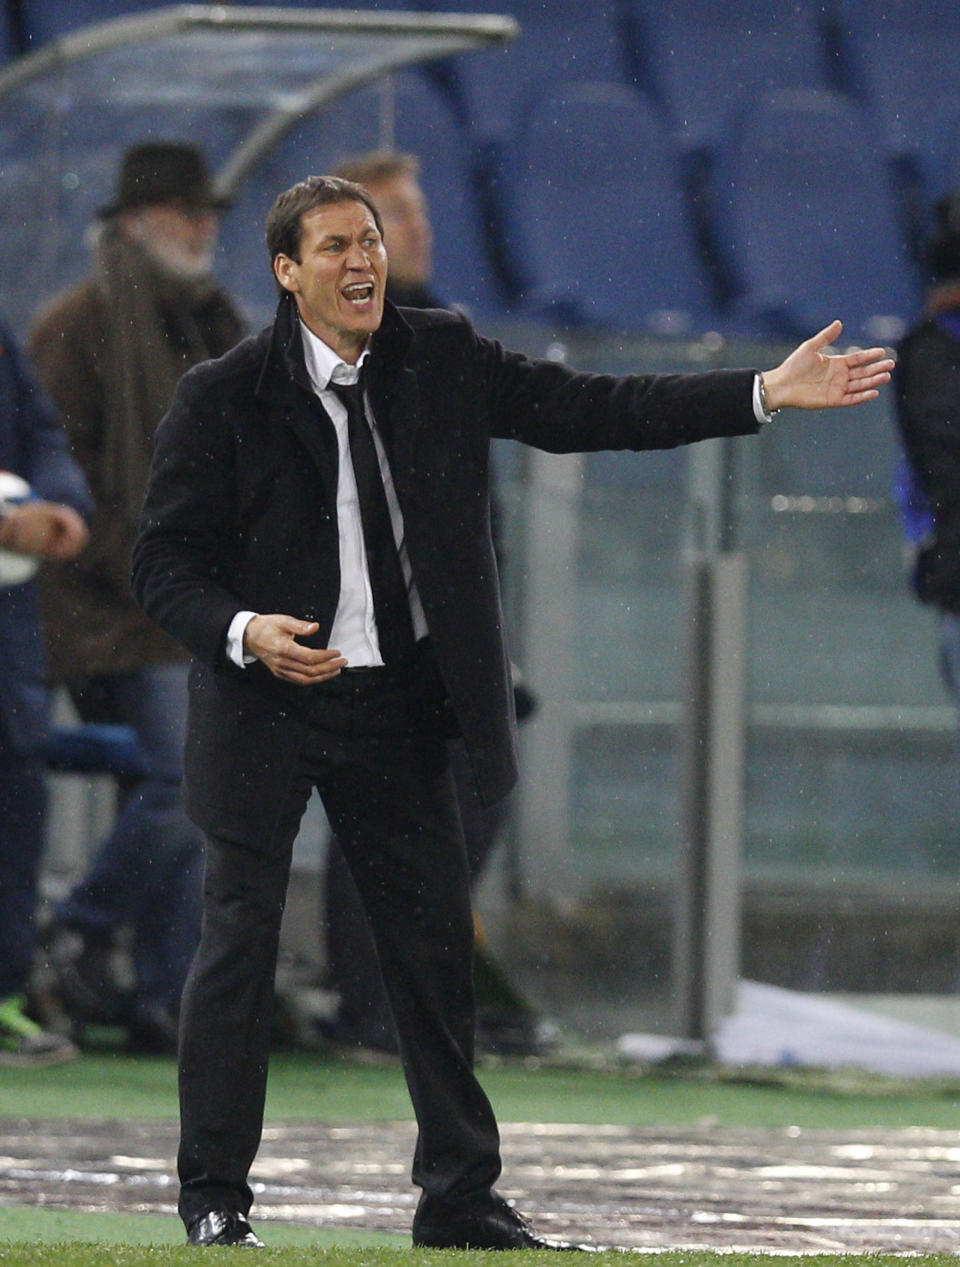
(340, 278)
(179, 236)
(406, 228)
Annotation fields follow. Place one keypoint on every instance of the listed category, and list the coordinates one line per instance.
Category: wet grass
(304, 1087)
(76, 1254)
(29, 1232)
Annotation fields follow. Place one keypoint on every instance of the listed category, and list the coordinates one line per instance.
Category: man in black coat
(263, 550)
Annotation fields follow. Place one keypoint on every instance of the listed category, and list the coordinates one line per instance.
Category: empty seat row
(593, 220)
(696, 59)
(803, 220)
(560, 189)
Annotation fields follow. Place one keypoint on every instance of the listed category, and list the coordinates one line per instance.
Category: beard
(177, 260)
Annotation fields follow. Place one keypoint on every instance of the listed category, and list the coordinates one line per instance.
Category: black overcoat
(241, 514)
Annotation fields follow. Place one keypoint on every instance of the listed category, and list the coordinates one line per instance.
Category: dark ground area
(792, 1189)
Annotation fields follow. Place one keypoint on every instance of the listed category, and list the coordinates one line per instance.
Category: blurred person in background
(927, 382)
(109, 352)
(43, 518)
(506, 1021)
(393, 181)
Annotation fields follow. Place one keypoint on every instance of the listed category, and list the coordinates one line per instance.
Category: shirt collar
(324, 366)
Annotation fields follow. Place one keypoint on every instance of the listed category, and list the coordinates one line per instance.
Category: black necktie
(391, 603)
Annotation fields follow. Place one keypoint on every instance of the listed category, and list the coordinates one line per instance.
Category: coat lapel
(310, 422)
(395, 398)
(286, 392)
(288, 395)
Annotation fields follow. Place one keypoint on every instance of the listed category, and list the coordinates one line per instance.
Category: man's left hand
(810, 379)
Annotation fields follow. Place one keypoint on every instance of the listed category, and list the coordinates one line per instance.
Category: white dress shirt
(354, 632)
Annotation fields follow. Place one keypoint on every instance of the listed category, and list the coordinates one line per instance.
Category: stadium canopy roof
(236, 79)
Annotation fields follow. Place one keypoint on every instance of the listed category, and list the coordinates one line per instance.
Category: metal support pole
(550, 561)
(706, 959)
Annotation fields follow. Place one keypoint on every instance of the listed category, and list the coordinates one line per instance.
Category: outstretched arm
(810, 379)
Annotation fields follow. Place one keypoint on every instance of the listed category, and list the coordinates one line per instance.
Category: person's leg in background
(23, 796)
(145, 875)
(507, 1023)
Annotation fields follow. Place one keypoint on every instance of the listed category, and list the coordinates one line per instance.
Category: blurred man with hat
(110, 351)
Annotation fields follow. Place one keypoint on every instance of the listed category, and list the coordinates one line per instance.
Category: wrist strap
(767, 411)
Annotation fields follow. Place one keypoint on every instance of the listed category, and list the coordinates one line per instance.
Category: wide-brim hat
(163, 171)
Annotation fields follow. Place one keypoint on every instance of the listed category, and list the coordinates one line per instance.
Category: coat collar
(285, 391)
(283, 370)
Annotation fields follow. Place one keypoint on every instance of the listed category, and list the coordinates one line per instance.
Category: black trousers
(377, 755)
(351, 954)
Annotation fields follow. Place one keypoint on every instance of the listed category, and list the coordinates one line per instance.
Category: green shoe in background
(24, 1043)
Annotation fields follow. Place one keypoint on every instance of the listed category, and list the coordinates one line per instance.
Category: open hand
(810, 379)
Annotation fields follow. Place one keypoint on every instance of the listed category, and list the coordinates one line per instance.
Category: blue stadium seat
(45, 20)
(902, 58)
(599, 211)
(563, 41)
(365, 5)
(938, 171)
(808, 220)
(8, 45)
(701, 58)
(947, 176)
(424, 125)
(463, 270)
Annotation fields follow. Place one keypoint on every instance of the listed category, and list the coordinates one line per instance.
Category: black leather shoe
(498, 1227)
(223, 1227)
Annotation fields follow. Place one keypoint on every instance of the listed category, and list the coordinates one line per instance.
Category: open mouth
(358, 293)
